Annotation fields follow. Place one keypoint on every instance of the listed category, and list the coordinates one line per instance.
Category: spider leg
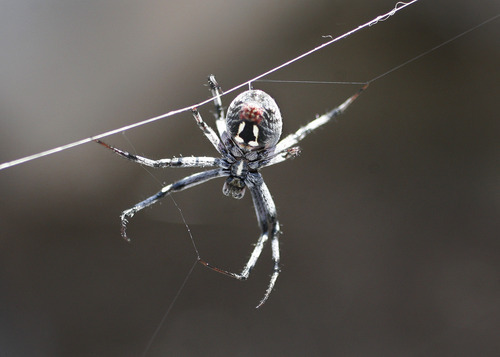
(286, 154)
(182, 184)
(300, 134)
(208, 131)
(216, 91)
(202, 161)
(268, 222)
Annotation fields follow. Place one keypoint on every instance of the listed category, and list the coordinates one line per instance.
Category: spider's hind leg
(268, 222)
(248, 266)
(251, 263)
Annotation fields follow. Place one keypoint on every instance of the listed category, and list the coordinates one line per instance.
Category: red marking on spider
(251, 113)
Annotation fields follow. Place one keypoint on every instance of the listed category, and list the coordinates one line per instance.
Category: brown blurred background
(390, 217)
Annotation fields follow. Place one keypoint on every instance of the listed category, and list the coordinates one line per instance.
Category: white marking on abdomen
(240, 129)
(256, 134)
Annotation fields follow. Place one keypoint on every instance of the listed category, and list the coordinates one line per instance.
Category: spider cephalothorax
(247, 142)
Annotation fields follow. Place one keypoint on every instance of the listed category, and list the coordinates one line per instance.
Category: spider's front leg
(180, 185)
(201, 161)
(300, 134)
(269, 225)
(208, 131)
(216, 92)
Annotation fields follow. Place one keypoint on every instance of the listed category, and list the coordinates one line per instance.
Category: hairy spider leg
(300, 134)
(182, 184)
(265, 210)
(269, 225)
(215, 89)
(208, 131)
(286, 154)
(201, 161)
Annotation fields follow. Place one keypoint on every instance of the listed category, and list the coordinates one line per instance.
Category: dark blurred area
(390, 217)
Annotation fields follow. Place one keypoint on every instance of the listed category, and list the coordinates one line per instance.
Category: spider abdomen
(254, 120)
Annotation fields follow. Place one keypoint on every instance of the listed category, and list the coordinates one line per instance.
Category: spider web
(44, 301)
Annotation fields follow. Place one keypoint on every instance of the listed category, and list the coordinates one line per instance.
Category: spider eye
(254, 120)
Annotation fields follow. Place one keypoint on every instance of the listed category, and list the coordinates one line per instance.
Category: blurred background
(390, 217)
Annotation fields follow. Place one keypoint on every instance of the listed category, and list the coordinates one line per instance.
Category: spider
(249, 141)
